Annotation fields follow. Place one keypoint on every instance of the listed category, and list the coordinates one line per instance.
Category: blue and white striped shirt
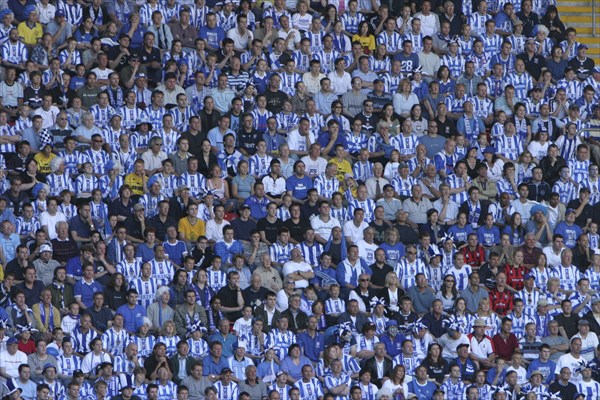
(146, 290)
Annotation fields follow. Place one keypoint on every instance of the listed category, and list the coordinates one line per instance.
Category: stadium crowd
(313, 199)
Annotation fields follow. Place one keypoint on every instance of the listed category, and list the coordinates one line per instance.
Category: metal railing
(589, 129)
(594, 18)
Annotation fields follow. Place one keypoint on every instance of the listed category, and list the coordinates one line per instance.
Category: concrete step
(567, 8)
(574, 19)
(581, 27)
(560, 4)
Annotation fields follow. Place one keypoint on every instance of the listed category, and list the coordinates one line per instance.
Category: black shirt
(275, 100)
(13, 267)
(62, 97)
(583, 68)
(539, 192)
(568, 323)
(100, 317)
(134, 227)
(149, 57)
(242, 229)
(379, 231)
(368, 122)
(565, 391)
(33, 97)
(229, 298)
(32, 295)
(378, 274)
(586, 213)
(308, 211)
(117, 208)
(407, 234)
(161, 227)
(195, 141)
(247, 140)
(534, 64)
(252, 297)
(297, 229)
(447, 128)
(270, 229)
(113, 53)
(208, 121)
(552, 172)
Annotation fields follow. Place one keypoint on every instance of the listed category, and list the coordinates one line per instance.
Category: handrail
(588, 129)
(594, 18)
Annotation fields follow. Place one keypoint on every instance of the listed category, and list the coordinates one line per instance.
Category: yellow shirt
(344, 168)
(368, 42)
(30, 35)
(44, 162)
(191, 232)
(136, 183)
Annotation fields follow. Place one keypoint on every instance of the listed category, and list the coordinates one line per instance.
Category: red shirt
(505, 348)
(27, 348)
(501, 302)
(474, 258)
(514, 276)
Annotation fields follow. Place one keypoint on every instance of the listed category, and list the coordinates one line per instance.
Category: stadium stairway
(578, 14)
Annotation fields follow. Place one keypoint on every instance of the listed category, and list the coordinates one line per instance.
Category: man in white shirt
(341, 81)
(367, 247)
(240, 35)
(300, 139)
(214, 227)
(47, 111)
(315, 164)
(11, 358)
(298, 270)
(323, 223)
(50, 217)
(523, 205)
(554, 251)
(312, 78)
(354, 228)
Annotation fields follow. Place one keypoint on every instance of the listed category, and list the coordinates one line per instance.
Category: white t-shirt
(355, 233)
(366, 251)
(292, 266)
(214, 231)
(323, 228)
(340, 84)
(449, 345)
(50, 221)
(297, 142)
(574, 364)
(48, 117)
(588, 345)
(313, 167)
(551, 256)
(11, 363)
(521, 374)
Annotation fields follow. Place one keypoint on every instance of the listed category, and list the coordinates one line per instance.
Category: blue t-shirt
(87, 291)
(546, 368)
(324, 138)
(423, 392)
(570, 233)
(213, 36)
(488, 237)
(299, 186)
(133, 318)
